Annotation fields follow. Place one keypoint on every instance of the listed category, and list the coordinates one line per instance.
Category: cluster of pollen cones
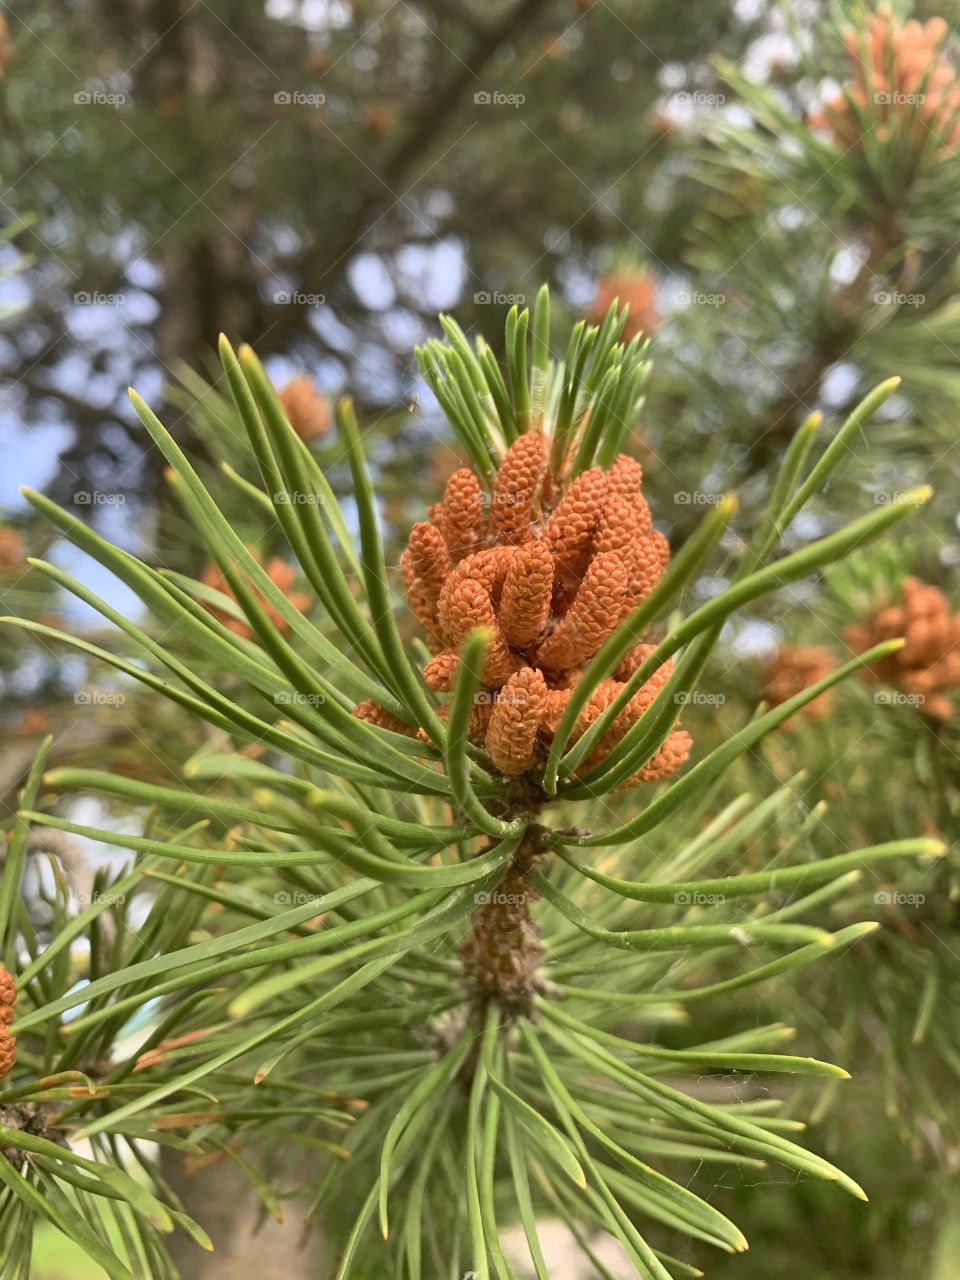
(929, 662)
(791, 670)
(8, 1043)
(900, 75)
(550, 571)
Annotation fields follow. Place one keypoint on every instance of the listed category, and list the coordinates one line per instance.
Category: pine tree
(375, 927)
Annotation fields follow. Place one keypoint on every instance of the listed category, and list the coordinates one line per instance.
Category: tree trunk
(221, 1200)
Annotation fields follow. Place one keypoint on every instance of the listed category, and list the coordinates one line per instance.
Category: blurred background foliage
(320, 177)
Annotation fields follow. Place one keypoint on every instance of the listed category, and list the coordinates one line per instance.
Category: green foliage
(306, 886)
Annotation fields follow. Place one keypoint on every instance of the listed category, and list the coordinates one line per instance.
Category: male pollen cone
(927, 667)
(461, 513)
(8, 1043)
(550, 574)
(794, 668)
(901, 83)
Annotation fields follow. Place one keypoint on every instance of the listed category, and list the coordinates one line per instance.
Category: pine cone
(307, 410)
(905, 81)
(794, 668)
(8, 1043)
(551, 575)
(8, 1052)
(372, 713)
(928, 665)
(8, 997)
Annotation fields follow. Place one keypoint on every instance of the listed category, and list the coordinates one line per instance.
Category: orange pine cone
(517, 486)
(625, 477)
(280, 573)
(794, 668)
(428, 558)
(595, 612)
(461, 513)
(549, 599)
(307, 409)
(634, 660)
(440, 672)
(480, 714)
(372, 713)
(901, 78)
(8, 1043)
(470, 607)
(671, 757)
(487, 568)
(928, 665)
(8, 1052)
(8, 997)
(569, 531)
(651, 556)
(618, 527)
(511, 737)
(527, 591)
(423, 608)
